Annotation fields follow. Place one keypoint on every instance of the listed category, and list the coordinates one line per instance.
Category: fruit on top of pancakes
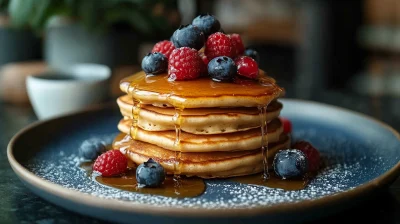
(237, 44)
(188, 36)
(219, 44)
(253, 54)
(150, 174)
(110, 163)
(290, 163)
(90, 149)
(164, 47)
(287, 125)
(205, 37)
(184, 64)
(207, 23)
(222, 69)
(154, 63)
(246, 66)
(311, 153)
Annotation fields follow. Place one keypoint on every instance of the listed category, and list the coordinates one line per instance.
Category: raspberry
(184, 64)
(164, 47)
(219, 44)
(110, 163)
(246, 66)
(237, 43)
(311, 153)
(287, 125)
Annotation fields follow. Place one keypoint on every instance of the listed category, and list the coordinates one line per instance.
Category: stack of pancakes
(218, 125)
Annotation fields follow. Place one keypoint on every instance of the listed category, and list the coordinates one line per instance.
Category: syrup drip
(264, 140)
(135, 112)
(177, 119)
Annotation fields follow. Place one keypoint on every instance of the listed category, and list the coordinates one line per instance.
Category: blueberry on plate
(91, 149)
(188, 36)
(154, 63)
(253, 54)
(290, 163)
(150, 174)
(207, 23)
(222, 69)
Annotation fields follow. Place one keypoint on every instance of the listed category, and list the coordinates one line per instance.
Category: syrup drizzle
(177, 119)
(264, 140)
(136, 105)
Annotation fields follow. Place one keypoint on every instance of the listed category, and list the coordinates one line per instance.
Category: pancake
(202, 92)
(198, 120)
(243, 140)
(205, 165)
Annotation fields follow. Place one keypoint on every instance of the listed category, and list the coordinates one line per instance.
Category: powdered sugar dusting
(344, 170)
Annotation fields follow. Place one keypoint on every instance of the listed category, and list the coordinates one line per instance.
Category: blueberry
(207, 23)
(290, 163)
(150, 174)
(222, 69)
(154, 63)
(91, 149)
(188, 36)
(253, 54)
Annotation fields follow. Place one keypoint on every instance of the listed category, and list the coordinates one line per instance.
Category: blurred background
(340, 52)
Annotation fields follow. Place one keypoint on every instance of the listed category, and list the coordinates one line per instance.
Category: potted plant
(16, 44)
(95, 31)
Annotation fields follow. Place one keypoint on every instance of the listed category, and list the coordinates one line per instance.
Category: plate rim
(77, 197)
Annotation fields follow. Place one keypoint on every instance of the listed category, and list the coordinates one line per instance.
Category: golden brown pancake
(198, 120)
(201, 92)
(202, 164)
(243, 140)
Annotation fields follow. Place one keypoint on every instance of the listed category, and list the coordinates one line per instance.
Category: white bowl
(60, 92)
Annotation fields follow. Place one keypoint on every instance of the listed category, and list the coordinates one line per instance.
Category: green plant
(3, 5)
(144, 16)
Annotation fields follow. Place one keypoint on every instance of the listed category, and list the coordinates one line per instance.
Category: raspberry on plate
(246, 66)
(184, 64)
(111, 163)
(164, 47)
(237, 43)
(219, 44)
(287, 125)
(311, 153)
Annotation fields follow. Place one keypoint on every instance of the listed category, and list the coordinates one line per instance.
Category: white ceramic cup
(56, 93)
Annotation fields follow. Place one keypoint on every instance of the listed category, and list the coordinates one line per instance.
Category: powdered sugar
(344, 170)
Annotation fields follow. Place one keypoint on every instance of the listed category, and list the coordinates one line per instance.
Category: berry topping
(290, 163)
(207, 23)
(219, 44)
(253, 54)
(237, 43)
(222, 69)
(164, 47)
(184, 64)
(287, 125)
(311, 153)
(154, 63)
(188, 36)
(150, 174)
(91, 149)
(111, 163)
(246, 66)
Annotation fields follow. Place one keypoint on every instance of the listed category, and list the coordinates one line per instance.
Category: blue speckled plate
(361, 154)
